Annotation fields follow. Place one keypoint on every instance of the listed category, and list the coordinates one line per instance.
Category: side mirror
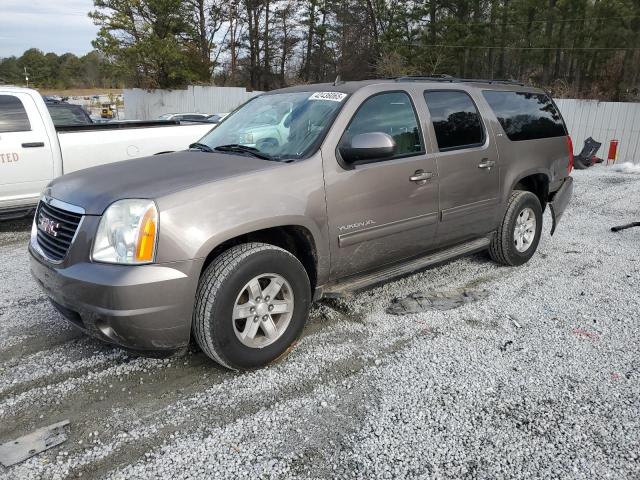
(368, 146)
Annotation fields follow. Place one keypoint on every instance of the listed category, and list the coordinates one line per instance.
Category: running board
(353, 284)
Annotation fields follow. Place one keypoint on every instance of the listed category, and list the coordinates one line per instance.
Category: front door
(468, 170)
(26, 157)
(386, 209)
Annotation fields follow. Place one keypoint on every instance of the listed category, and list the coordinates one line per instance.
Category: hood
(94, 189)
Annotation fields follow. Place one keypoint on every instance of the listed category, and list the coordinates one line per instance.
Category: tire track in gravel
(74, 359)
(81, 382)
(63, 395)
(26, 344)
(23, 303)
(346, 374)
(325, 415)
(209, 403)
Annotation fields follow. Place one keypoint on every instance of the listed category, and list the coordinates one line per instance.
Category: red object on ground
(583, 333)
(613, 152)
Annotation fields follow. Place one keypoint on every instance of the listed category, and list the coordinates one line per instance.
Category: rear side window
(455, 118)
(13, 116)
(390, 113)
(526, 116)
(64, 115)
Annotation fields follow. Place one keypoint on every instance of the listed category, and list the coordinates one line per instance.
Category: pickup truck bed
(33, 151)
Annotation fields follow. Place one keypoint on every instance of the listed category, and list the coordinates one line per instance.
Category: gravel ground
(540, 379)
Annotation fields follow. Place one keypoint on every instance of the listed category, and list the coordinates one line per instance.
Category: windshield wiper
(201, 146)
(236, 147)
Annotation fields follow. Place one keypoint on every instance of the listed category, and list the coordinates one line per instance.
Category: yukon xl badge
(48, 226)
(351, 226)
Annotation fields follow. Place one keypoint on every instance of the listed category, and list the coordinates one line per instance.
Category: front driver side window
(391, 113)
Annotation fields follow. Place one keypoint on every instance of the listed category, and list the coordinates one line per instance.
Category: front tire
(251, 304)
(518, 235)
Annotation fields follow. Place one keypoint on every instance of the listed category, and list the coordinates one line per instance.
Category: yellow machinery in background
(108, 110)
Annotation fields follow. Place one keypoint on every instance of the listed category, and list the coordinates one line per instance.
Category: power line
(525, 22)
(442, 45)
(444, 23)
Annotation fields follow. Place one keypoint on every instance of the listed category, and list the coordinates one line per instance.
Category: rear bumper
(559, 200)
(145, 307)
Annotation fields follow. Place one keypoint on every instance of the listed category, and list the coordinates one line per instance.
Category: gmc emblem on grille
(48, 226)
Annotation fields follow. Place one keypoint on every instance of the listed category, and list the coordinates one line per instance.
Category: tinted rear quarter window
(455, 118)
(13, 116)
(526, 116)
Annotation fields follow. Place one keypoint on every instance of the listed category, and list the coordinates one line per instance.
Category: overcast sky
(58, 26)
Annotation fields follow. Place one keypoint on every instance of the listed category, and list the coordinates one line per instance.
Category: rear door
(377, 213)
(26, 156)
(468, 169)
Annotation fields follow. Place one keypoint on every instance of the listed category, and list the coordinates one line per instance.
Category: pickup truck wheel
(518, 236)
(251, 304)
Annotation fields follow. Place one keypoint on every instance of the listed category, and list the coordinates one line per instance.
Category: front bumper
(559, 200)
(142, 307)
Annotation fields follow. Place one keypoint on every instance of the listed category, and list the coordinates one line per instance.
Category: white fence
(147, 105)
(604, 121)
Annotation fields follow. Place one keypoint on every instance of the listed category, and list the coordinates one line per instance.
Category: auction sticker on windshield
(332, 96)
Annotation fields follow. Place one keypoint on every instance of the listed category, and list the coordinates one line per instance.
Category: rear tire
(518, 235)
(222, 325)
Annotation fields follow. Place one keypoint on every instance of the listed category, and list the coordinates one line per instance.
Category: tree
(59, 71)
(285, 37)
(10, 71)
(37, 65)
(207, 18)
(153, 40)
(581, 48)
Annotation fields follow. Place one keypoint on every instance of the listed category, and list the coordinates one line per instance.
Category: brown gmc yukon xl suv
(301, 193)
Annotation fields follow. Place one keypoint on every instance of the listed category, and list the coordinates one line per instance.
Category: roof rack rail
(450, 79)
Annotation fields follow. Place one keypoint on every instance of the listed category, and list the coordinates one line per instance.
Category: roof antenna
(337, 81)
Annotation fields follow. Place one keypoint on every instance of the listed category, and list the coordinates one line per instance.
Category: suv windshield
(283, 125)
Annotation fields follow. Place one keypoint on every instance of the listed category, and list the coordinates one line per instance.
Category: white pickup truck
(33, 151)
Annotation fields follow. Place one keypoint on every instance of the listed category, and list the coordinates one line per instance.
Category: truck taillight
(570, 147)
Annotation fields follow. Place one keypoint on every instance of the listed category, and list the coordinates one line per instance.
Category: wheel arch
(536, 182)
(296, 239)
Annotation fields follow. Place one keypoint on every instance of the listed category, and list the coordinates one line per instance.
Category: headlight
(127, 233)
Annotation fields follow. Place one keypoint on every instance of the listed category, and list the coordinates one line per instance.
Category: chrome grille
(56, 229)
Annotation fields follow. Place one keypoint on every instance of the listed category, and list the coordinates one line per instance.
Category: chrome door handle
(420, 177)
(486, 163)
